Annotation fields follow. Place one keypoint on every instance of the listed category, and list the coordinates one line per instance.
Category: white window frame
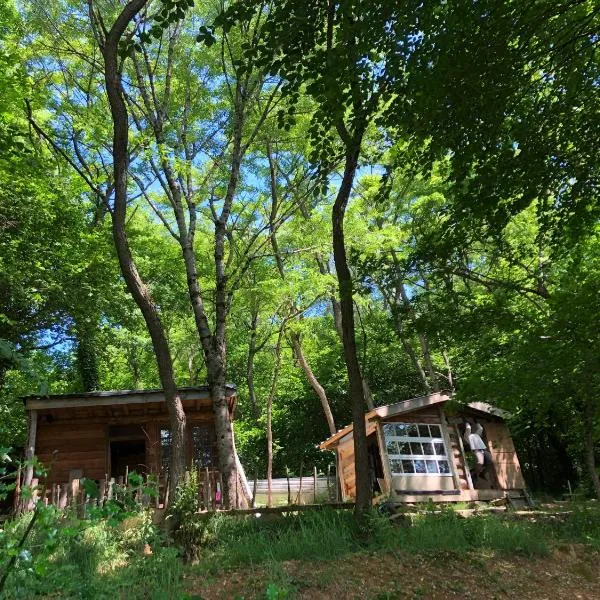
(391, 435)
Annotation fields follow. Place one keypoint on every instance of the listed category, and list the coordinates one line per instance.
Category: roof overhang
(119, 398)
(391, 410)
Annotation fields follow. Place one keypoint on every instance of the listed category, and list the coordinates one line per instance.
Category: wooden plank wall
(504, 455)
(346, 464)
(82, 447)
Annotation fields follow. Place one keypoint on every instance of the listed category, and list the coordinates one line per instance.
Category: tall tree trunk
(314, 383)
(336, 310)
(589, 446)
(85, 350)
(250, 363)
(270, 398)
(363, 492)
(132, 278)
(432, 378)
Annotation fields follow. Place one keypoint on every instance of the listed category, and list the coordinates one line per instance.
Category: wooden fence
(148, 491)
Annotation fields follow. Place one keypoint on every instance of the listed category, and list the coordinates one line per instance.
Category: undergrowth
(102, 558)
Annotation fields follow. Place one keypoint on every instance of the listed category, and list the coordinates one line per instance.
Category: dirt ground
(571, 572)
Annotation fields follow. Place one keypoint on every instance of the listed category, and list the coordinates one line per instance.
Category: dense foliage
(472, 226)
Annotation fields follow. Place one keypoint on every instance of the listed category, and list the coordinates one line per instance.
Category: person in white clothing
(478, 447)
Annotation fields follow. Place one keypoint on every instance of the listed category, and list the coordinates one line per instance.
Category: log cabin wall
(79, 439)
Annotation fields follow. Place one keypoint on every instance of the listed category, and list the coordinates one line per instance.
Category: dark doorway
(127, 455)
(375, 465)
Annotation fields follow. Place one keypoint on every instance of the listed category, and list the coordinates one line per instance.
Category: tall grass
(327, 534)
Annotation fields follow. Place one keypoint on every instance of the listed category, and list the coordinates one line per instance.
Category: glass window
(204, 441)
(407, 466)
(420, 466)
(431, 466)
(165, 448)
(389, 429)
(412, 430)
(423, 431)
(396, 466)
(435, 431)
(428, 448)
(392, 447)
(416, 449)
(444, 467)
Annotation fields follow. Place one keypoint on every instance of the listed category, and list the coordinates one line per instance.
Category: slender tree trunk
(250, 362)
(405, 343)
(433, 383)
(134, 282)
(363, 492)
(314, 383)
(589, 446)
(270, 398)
(448, 366)
(87, 365)
(336, 310)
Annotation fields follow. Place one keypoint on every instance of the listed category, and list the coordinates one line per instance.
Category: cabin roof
(114, 397)
(390, 410)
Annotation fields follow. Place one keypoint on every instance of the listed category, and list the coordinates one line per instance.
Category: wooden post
(101, 492)
(461, 447)
(17, 496)
(63, 496)
(74, 492)
(220, 489)
(206, 489)
(287, 474)
(448, 444)
(110, 492)
(385, 461)
(299, 497)
(127, 475)
(30, 450)
(314, 485)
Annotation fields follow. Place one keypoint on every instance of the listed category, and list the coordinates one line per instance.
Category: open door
(127, 446)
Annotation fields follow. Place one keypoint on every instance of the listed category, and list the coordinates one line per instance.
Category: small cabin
(417, 451)
(104, 435)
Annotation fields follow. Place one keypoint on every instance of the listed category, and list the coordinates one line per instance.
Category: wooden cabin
(102, 435)
(416, 452)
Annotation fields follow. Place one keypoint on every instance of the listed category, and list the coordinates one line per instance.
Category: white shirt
(474, 439)
(476, 443)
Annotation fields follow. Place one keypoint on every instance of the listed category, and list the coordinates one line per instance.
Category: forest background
(472, 230)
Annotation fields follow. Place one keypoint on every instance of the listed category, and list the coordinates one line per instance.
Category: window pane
(165, 448)
(389, 429)
(412, 430)
(435, 431)
(415, 448)
(439, 448)
(204, 442)
(431, 466)
(402, 429)
(392, 447)
(407, 466)
(423, 431)
(420, 466)
(404, 448)
(428, 448)
(396, 466)
(444, 466)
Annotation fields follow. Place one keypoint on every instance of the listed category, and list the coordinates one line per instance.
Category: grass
(101, 560)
